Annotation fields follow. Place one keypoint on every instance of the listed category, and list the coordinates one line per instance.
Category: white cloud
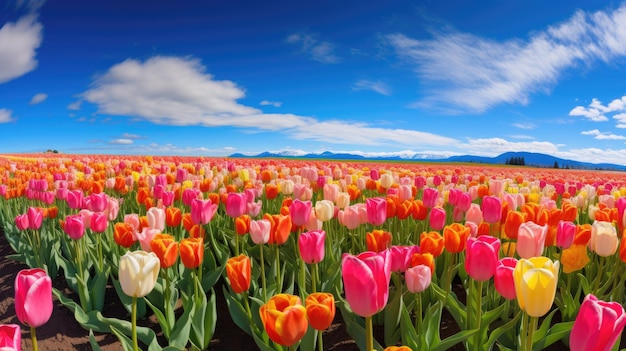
(473, 73)
(18, 44)
(602, 136)
(5, 115)
(75, 106)
(38, 98)
(131, 136)
(497, 146)
(597, 111)
(121, 141)
(178, 91)
(378, 87)
(321, 51)
(271, 103)
(526, 126)
(589, 113)
(621, 120)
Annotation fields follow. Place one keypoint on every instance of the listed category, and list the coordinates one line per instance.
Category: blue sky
(376, 78)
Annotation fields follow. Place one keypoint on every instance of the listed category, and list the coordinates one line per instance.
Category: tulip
(311, 245)
(156, 218)
(236, 204)
(10, 337)
(492, 209)
(320, 310)
(514, 220)
(376, 210)
(123, 234)
(418, 278)
(75, 199)
(366, 281)
(35, 217)
(33, 297)
(191, 252)
(432, 242)
(280, 230)
(429, 197)
(604, 240)
(503, 277)
(300, 211)
(173, 216)
(74, 226)
(565, 233)
(260, 231)
(349, 217)
(324, 210)
(531, 239)
(474, 214)
(482, 257)
(98, 202)
(598, 325)
(284, 319)
(166, 249)
(437, 218)
(378, 240)
(574, 258)
(99, 222)
(239, 272)
(202, 211)
(397, 348)
(535, 282)
(145, 236)
(455, 237)
(401, 257)
(21, 221)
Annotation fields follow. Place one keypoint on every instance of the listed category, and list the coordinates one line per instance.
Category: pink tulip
(74, 226)
(302, 192)
(418, 278)
(189, 195)
(598, 325)
(133, 220)
(33, 297)
(113, 208)
(145, 236)
(99, 222)
(311, 245)
(376, 210)
(437, 218)
(531, 238)
(202, 211)
(429, 197)
(474, 214)
(254, 208)
(86, 214)
(168, 198)
(21, 221)
(565, 233)
(10, 337)
(492, 209)
(300, 211)
(366, 279)
(236, 204)
(313, 223)
(331, 191)
(349, 217)
(420, 182)
(156, 218)
(75, 199)
(503, 278)
(481, 257)
(98, 202)
(260, 231)
(401, 257)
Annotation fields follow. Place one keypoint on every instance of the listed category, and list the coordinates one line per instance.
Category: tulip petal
(38, 302)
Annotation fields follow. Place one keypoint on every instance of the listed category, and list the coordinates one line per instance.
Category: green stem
(531, 330)
(134, 324)
(599, 277)
(418, 313)
(278, 276)
(247, 305)
(167, 299)
(523, 335)
(100, 259)
(314, 277)
(369, 334)
(479, 310)
(33, 337)
(236, 244)
(263, 283)
(320, 341)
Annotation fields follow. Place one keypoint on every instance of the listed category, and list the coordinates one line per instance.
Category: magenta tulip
(33, 297)
(366, 279)
(598, 325)
(300, 212)
(437, 218)
(98, 202)
(168, 198)
(10, 337)
(418, 278)
(531, 238)
(401, 257)
(189, 195)
(481, 257)
(21, 221)
(565, 233)
(236, 204)
(430, 197)
(99, 222)
(202, 211)
(492, 209)
(74, 226)
(311, 245)
(503, 277)
(35, 217)
(376, 210)
(75, 199)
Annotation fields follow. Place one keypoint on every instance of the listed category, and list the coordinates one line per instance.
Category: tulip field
(516, 258)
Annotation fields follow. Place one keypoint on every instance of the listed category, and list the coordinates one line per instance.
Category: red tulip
(10, 337)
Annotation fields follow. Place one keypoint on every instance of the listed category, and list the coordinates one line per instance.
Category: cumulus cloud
(473, 73)
(497, 146)
(271, 103)
(18, 44)
(5, 115)
(321, 51)
(38, 98)
(597, 112)
(178, 91)
(603, 136)
(621, 120)
(378, 87)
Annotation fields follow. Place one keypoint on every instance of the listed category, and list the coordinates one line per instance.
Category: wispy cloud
(621, 120)
(5, 115)
(526, 126)
(473, 73)
(603, 135)
(597, 112)
(270, 103)
(18, 44)
(377, 86)
(38, 98)
(121, 141)
(131, 136)
(321, 51)
(497, 146)
(178, 91)
(75, 106)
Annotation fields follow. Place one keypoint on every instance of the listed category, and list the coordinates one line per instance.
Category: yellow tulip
(535, 284)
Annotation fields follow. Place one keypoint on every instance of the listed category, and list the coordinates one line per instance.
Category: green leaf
(264, 343)
(496, 333)
(309, 341)
(165, 326)
(93, 342)
(203, 321)
(237, 312)
(182, 329)
(452, 340)
(409, 336)
(127, 301)
(355, 326)
(451, 303)
(392, 319)
(545, 326)
(557, 332)
(97, 287)
(127, 343)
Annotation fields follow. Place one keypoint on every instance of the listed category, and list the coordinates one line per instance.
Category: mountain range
(529, 159)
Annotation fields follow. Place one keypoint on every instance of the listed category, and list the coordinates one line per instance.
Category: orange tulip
(419, 210)
(484, 229)
(583, 234)
(239, 271)
(574, 258)
(271, 191)
(214, 197)
(404, 209)
(512, 223)
(123, 234)
(284, 319)
(173, 216)
(455, 236)
(191, 252)
(391, 207)
(280, 230)
(320, 310)
(142, 195)
(53, 211)
(397, 348)
(378, 240)
(426, 259)
(166, 249)
(187, 221)
(196, 231)
(570, 212)
(432, 242)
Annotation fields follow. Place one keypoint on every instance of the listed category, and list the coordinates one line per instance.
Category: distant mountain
(530, 159)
